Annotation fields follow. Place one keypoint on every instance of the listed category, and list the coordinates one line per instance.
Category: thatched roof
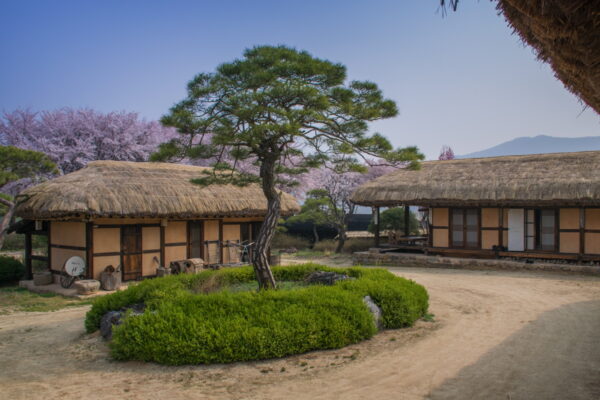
(565, 34)
(544, 179)
(130, 189)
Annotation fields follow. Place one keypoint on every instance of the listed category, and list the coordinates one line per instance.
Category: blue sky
(461, 80)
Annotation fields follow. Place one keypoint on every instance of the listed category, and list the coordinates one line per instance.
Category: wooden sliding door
(464, 232)
(131, 251)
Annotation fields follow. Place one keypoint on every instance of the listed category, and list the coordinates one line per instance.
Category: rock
(375, 311)
(325, 278)
(107, 322)
(110, 279)
(113, 318)
(86, 286)
(42, 278)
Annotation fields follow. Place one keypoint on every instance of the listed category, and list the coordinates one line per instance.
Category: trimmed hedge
(11, 269)
(184, 325)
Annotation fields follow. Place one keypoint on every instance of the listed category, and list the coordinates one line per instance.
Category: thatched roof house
(140, 216)
(569, 179)
(141, 190)
(544, 205)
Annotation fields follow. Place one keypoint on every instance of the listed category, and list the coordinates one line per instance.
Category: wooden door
(516, 229)
(196, 240)
(131, 252)
(547, 229)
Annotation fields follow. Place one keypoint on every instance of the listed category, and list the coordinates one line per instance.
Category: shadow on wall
(556, 356)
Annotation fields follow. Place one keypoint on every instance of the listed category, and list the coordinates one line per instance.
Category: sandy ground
(496, 335)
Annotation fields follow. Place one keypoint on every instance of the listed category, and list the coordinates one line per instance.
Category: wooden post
(581, 231)
(221, 241)
(28, 264)
(376, 223)
(406, 220)
(162, 246)
(501, 227)
(89, 255)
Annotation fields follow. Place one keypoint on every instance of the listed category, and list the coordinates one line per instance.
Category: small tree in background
(315, 210)
(17, 164)
(446, 153)
(286, 111)
(329, 204)
(392, 219)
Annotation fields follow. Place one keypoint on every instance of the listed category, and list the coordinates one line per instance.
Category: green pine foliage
(16, 163)
(183, 324)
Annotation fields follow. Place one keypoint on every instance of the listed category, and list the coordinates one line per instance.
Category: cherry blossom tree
(73, 137)
(446, 153)
(329, 192)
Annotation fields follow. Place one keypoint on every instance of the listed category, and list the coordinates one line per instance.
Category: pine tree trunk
(316, 234)
(6, 221)
(260, 259)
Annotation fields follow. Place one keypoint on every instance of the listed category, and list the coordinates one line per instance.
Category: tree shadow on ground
(556, 356)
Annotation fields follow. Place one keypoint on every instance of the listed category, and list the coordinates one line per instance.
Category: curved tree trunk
(341, 239)
(260, 258)
(6, 220)
(315, 234)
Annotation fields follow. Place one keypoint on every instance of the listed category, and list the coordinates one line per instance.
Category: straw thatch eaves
(568, 179)
(130, 189)
(565, 34)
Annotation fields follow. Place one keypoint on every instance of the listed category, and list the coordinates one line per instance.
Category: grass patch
(429, 317)
(308, 253)
(218, 316)
(283, 240)
(15, 299)
(350, 246)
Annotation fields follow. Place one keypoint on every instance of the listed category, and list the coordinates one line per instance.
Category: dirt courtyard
(495, 335)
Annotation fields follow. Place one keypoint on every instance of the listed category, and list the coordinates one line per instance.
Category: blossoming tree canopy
(73, 137)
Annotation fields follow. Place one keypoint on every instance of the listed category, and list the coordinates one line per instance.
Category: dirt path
(496, 335)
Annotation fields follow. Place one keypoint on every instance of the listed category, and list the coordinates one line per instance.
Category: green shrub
(187, 324)
(227, 327)
(11, 270)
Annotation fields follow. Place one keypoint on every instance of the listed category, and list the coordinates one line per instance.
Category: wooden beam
(162, 246)
(376, 220)
(221, 241)
(28, 263)
(581, 231)
(89, 244)
(501, 227)
(49, 243)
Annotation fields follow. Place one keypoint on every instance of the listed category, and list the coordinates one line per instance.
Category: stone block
(42, 278)
(86, 286)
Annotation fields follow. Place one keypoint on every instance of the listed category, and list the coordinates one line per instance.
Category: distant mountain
(538, 144)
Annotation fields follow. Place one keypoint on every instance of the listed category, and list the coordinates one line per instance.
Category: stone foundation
(423, 261)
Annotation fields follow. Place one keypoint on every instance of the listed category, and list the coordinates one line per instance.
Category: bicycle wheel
(66, 280)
